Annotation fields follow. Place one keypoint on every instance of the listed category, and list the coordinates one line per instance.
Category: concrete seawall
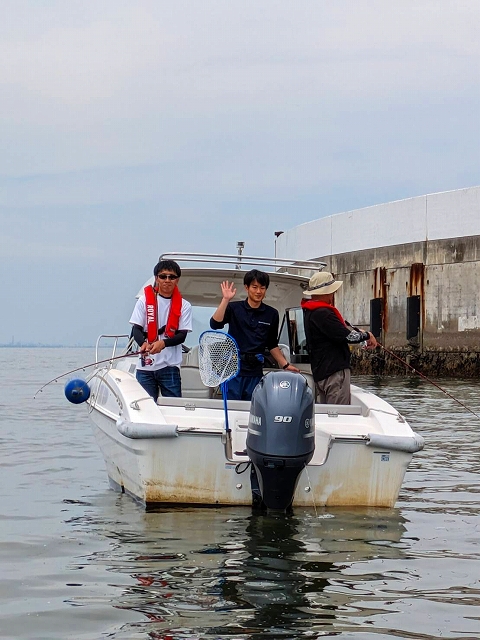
(417, 291)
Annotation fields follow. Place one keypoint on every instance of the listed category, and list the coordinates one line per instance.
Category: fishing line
(428, 380)
(85, 366)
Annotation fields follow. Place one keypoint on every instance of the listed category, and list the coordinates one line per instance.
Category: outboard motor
(281, 435)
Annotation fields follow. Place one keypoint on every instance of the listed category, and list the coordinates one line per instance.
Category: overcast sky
(132, 128)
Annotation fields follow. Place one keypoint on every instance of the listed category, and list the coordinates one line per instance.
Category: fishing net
(218, 359)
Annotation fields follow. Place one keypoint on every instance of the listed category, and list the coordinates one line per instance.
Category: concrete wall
(426, 247)
(437, 216)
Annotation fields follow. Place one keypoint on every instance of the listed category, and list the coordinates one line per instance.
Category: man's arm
(163, 343)
(326, 322)
(217, 321)
(280, 359)
(179, 338)
(356, 336)
(139, 336)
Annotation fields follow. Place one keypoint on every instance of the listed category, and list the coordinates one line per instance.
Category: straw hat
(322, 283)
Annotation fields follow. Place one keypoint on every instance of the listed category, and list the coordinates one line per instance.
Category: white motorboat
(178, 451)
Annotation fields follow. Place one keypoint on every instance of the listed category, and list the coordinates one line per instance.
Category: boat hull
(192, 467)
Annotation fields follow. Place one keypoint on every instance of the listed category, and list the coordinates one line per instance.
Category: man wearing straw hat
(329, 338)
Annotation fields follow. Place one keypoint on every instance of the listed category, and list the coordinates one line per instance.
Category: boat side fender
(138, 430)
(396, 443)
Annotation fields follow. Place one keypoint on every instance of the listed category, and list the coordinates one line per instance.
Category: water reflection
(80, 561)
(214, 573)
(273, 580)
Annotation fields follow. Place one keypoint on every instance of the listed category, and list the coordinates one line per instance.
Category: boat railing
(239, 261)
(115, 346)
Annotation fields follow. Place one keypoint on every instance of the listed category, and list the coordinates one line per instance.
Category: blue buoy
(77, 391)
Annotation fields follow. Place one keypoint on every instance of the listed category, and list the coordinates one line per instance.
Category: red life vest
(173, 319)
(311, 305)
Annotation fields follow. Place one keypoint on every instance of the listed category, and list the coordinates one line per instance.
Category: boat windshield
(292, 333)
(201, 323)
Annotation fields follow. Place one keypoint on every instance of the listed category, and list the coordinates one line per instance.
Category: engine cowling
(281, 435)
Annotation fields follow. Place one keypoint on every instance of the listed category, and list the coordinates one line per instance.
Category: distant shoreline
(47, 346)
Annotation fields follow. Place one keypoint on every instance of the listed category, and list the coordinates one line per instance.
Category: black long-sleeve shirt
(253, 329)
(328, 341)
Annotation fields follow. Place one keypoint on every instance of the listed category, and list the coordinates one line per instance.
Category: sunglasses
(167, 276)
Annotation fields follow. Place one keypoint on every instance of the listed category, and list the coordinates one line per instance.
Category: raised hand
(228, 290)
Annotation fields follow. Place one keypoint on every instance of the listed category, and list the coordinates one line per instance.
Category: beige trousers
(335, 389)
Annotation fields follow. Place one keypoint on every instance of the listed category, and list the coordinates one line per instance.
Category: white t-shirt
(170, 356)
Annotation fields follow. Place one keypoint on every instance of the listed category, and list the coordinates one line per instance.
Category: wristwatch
(285, 366)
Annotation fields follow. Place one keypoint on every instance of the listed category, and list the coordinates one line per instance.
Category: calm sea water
(82, 562)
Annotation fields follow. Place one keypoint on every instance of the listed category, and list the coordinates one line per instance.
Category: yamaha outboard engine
(281, 435)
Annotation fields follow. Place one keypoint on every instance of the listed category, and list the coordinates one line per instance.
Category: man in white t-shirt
(161, 320)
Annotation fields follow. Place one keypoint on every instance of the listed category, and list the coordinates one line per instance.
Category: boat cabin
(200, 285)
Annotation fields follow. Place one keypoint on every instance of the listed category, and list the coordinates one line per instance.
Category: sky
(133, 128)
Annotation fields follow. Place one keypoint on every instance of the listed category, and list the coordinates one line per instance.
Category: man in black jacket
(254, 325)
(329, 338)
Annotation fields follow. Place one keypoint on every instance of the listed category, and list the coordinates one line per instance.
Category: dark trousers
(241, 387)
(166, 381)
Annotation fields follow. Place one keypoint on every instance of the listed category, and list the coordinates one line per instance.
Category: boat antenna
(85, 366)
(240, 248)
(428, 379)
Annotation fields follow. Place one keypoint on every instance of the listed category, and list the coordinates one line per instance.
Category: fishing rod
(85, 366)
(428, 379)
